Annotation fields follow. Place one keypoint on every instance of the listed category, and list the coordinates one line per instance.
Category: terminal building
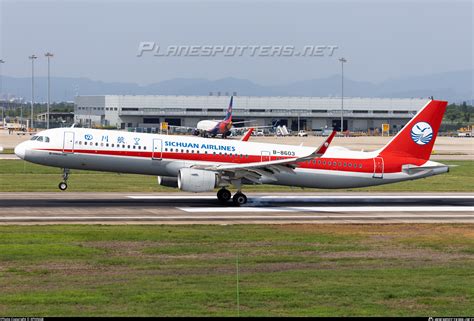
(145, 113)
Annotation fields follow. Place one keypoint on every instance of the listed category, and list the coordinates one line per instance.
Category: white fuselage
(207, 125)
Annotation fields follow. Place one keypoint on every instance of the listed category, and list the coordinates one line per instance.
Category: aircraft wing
(254, 171)
(185, 127)
(243, 122)
(248, 127)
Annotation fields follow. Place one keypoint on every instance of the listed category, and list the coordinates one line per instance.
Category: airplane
(213, 128)
(195, 164)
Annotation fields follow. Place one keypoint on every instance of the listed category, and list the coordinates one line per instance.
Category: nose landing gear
(63, 185)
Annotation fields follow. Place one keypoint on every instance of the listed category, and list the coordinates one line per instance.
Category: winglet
(247, 134)
(322, 149)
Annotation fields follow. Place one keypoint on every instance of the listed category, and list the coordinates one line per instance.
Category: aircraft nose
(20, 150)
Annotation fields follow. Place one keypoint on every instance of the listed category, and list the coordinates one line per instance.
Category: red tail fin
(417, 138)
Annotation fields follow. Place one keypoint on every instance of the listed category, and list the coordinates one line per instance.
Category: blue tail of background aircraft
(228, 116)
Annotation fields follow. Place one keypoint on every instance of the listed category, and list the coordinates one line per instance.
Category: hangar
(144, 113)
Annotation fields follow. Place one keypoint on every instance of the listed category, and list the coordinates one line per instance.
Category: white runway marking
(276, 197)
(380, 209)
(303, 197)
(172, 197)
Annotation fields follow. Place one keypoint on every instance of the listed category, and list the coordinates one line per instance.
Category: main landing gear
(63, 185)
(224, 195)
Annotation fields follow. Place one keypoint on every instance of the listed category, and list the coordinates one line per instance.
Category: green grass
(285, 270)
(7, 151)
(21, 176)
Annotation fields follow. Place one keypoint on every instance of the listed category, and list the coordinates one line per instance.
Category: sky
(100, 39)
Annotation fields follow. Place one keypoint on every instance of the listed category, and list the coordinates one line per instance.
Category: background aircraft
(213, 128)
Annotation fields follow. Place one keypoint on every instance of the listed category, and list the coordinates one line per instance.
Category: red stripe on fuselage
(336, 164)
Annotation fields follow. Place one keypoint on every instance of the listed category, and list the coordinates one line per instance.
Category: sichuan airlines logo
(421, 133)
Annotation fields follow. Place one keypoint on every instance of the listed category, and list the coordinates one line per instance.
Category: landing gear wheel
(223, 195)
(63, 185)
(239, 199)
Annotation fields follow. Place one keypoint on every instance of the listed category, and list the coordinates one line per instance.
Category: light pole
(48, 55)
(32, 57)
(1, 92)
(342, 60)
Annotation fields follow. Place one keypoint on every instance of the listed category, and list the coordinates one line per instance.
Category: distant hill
(456, 86)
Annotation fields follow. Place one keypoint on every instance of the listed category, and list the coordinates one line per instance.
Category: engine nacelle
(196, 180)
(168, 181)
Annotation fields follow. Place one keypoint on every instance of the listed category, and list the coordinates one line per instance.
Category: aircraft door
(378, 167)
(265, 156)
(156, 151)
(68, 143)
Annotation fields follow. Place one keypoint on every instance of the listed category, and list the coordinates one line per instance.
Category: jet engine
(168, 181)
(196, 180)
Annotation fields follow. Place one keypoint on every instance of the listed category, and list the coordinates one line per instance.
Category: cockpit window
(41, 138)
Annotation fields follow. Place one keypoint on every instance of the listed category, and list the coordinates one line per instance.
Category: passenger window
(134, 146)
(139, 147)
(96, 144)
(144, 147)
(350, 165)
(360, 165)
(128, 146)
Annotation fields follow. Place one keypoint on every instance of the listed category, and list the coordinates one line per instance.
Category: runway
(182, 208)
